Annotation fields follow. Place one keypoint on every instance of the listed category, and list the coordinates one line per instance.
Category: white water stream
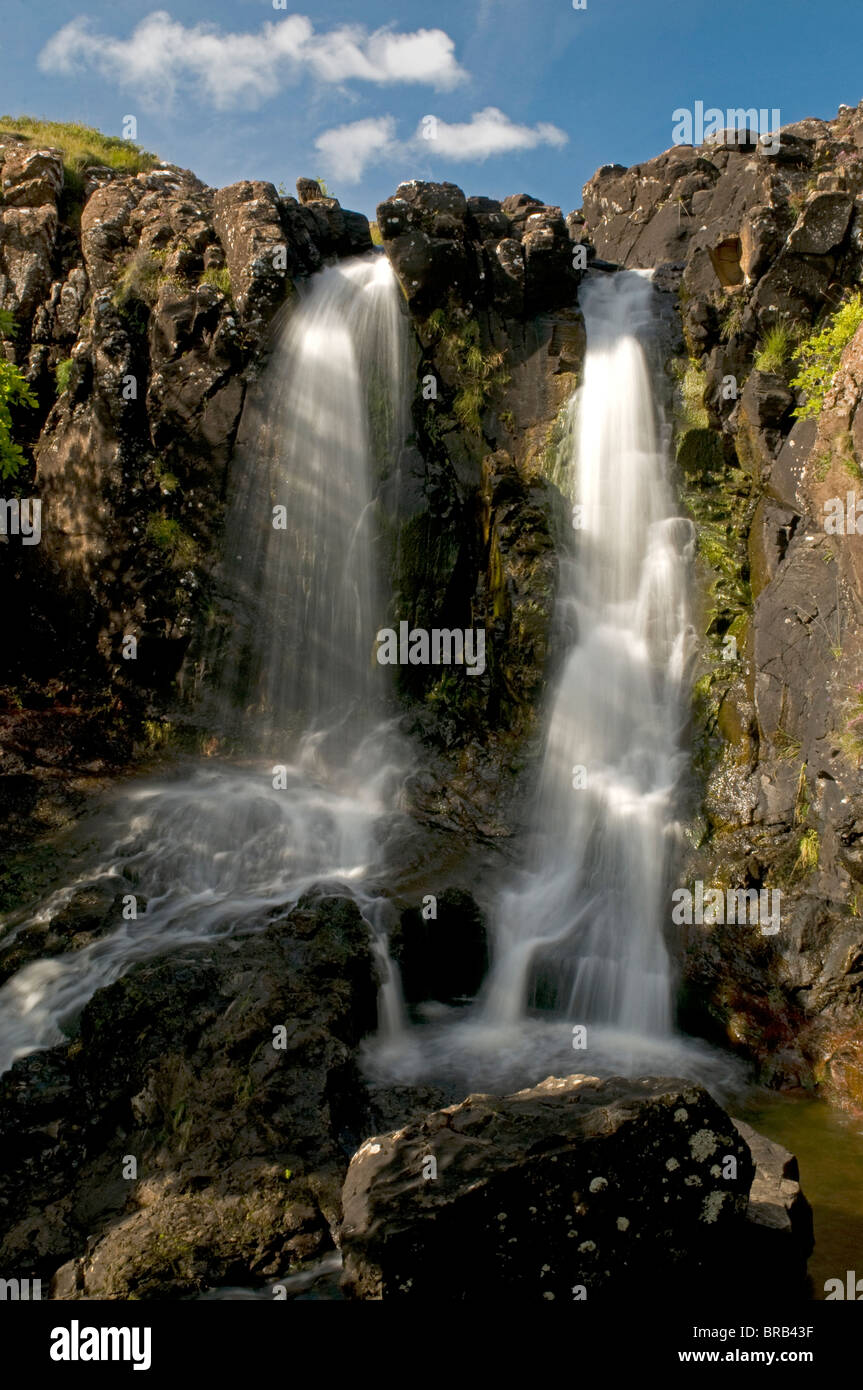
(219, 847)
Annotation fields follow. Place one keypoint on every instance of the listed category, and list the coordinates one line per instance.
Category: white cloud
(488, 132)
(347, 150)
(162, 54)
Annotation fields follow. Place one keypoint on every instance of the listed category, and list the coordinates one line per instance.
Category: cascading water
(221, 848)
(583, 931)
(578, 937)
(300, 560)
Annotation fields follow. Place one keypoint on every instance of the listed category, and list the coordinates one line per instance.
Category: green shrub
(63, 373)
(819, 356)
(14, 391)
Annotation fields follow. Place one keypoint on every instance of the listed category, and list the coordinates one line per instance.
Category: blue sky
(526, 95)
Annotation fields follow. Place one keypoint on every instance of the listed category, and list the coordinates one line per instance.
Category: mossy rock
(700, 454)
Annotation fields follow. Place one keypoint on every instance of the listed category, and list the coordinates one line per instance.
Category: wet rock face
(445, 956)
(491, 289)
(545, 1190)
(239, 1147)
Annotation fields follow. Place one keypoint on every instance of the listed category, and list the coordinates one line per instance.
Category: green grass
(808, 851)
(819, 356)
(787, 745)
(774, 354)
(138, 282)
(81, 146)
(219, 278)
(851, 737)
(731, 317)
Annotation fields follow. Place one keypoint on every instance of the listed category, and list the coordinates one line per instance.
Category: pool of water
(829, 1149)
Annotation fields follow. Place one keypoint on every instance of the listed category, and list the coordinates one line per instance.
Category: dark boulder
(541, 1196)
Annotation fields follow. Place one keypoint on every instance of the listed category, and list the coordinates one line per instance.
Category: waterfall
(300, 564)
(582, 931)
(578, 932)
(221, 847)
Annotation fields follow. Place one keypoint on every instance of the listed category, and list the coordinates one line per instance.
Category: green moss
(167, 481)
(819, 355)
(690, 411)
(478, 373)
(377, 239)
(63, 374)
(699, 453)
(167, 535)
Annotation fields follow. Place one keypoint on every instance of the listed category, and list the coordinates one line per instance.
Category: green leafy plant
(819, 356)
(15, 391)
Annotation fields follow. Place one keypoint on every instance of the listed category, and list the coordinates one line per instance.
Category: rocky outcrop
(779, 1232)
(197, 1130)
(137, 329)
(492, 291)
(546, 1189)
